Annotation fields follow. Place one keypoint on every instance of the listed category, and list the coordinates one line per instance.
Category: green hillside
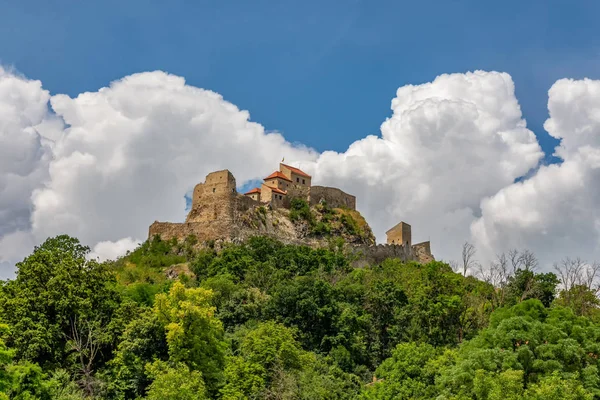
(264, 320)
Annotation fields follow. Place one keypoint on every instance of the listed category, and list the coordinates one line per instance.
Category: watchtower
(400, 234)
(213, 199)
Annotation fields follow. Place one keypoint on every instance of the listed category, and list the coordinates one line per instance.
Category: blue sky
(321, 72)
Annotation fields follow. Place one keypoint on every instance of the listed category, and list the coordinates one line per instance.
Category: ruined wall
(373, 255)
(202, 230)
(334, 197)
(208, 229)
(423, 252)
(296, 191)
(211, 200)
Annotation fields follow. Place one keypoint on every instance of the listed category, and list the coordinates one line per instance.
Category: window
(303, 182)
(214, 189)
(280, 197)
(297, 179)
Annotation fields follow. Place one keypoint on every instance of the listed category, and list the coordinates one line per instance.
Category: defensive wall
(372, 255)
(334, 197)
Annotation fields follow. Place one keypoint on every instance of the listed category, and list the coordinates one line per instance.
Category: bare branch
(468, 258)
(528, 261)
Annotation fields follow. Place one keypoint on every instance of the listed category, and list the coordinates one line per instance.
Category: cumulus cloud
(23, 156)
(108, 250)
(556, 212)
(447, 145)
(127, 156)
(132, 150)
(104, 165)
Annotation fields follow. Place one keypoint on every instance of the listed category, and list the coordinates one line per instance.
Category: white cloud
(23, 156)
(556, 212)
(132, 150)
(448, 144)
(108, 250)
(445, 162)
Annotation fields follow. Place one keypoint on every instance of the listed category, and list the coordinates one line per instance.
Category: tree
(526, 284)
(307, 303)
(468, 258)
(265, 351)
(86, 340)
(175, 382)
(18, 380)
(54, 286)
(580, 284)
(194, 335)
(407, 374)
(143, 341)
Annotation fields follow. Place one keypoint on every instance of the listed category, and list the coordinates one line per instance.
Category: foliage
(526, 284)
(176, 382)
(194, 335)
(143, 341)
(55, 286)
(300, 210)
(263, 319)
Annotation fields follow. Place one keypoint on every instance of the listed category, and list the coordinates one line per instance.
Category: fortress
(219, 212)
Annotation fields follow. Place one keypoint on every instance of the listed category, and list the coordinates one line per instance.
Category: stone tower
(400, 234)
(212, 199)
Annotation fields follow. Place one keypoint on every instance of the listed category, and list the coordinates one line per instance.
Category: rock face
(280, 223)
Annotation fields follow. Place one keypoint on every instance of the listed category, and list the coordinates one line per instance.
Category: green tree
(526, 284)
(143, 341)
(174, 382)
(407, 374)
(308, 304)
(55, 286)
(194, 335)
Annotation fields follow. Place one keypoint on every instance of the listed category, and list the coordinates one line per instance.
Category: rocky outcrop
(314, 230)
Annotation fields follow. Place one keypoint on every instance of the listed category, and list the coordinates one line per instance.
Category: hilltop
(286, 207)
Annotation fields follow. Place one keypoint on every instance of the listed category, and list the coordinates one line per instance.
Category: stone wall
(296, 192)
(373, 255)
(423, 252)
(334, 197)
(202, 230)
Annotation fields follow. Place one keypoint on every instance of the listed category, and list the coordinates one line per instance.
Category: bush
(350, 224)
(300, 210)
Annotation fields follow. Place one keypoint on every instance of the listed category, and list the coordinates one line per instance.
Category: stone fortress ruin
(219, 212)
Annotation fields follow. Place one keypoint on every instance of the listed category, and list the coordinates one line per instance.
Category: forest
(266, 320)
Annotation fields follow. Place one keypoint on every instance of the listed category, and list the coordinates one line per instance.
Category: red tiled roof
(255, 190)
(296, 170)
(279, 191)
(278, 174)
